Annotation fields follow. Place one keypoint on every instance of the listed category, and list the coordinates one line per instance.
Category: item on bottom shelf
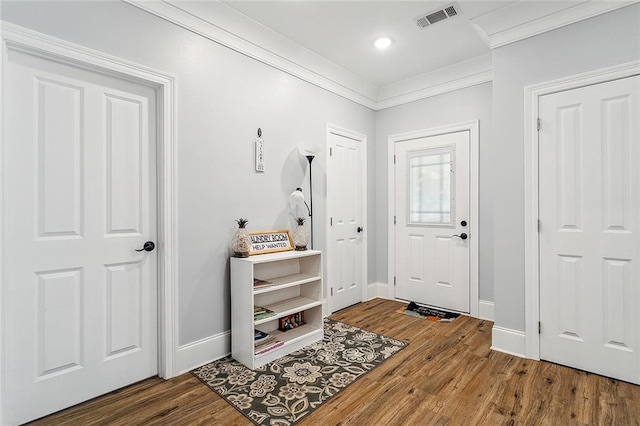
(260, 338)
(264, 341)
(257, 334)
(261, 313)
(263, 349)
(291, 321)
(258, 283)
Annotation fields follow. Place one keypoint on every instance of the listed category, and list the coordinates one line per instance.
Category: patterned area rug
(287, 389)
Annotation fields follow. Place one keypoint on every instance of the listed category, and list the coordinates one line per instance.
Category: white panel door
(345, 192)
(79, 302)
(589, 146)
(432, 220)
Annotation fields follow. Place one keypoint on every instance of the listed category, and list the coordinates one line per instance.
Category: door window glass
(431, 186)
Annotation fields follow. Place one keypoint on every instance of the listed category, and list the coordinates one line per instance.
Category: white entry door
(432, 220)
(79, 302)
(589, 147)
(346, 189)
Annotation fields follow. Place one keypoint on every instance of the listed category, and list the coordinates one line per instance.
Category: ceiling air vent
(423, 21)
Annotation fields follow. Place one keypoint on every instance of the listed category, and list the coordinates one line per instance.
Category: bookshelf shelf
(295, 286)
(288, 281)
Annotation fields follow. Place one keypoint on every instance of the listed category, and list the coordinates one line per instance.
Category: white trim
(532, 96)
(377, 290)
(485, 310)
(32, 42)
(391, 211)
(358, 137)
(455, 77)
(202, 352)
(435, 90)
(511, 32)
(3, 225)
(474, 160)
(229, 28)
(226, 26)
(508, 341)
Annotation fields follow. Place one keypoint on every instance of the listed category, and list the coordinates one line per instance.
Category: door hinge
(331, 221)
(330, 151)
(332, 291)
(538, 123)
(539, 327)
(394, 281)
(394, 159)
(539, 225)
(394, 220)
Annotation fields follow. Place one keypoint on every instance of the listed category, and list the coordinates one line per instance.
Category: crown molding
(226, 26)
(223, 25)
(435, 90)
(459, 76)
(520, 20)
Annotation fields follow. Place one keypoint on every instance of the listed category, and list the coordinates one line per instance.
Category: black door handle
(462, 236)
(148, 246)
(360, 229)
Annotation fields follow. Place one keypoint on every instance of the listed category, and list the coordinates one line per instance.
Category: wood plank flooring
(447, 375)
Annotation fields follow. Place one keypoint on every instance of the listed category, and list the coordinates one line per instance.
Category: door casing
(531, 174)
(14, 37)
(474, 156)
(332, 129)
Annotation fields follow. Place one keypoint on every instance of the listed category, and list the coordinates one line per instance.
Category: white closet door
(79, 302)
(345, 189)
(590, 228)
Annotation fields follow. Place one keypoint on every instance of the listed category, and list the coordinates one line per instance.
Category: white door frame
(333, 129)
(474, 157)
(532, 96)
(17, 38)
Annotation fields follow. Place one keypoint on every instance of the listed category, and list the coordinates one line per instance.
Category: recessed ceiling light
(382, 43)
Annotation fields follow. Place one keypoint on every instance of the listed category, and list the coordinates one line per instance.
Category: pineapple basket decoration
(241, 242)
(300, 235)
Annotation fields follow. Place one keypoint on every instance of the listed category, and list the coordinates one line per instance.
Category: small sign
(270, 242)
(259, 155)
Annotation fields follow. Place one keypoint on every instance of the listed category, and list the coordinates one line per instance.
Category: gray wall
(473, 103)
(603, 41)
(222, 98)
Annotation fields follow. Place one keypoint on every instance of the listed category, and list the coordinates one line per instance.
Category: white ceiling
(344, 31)
(329, 42)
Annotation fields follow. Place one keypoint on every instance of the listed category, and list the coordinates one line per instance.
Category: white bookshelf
(296, 278)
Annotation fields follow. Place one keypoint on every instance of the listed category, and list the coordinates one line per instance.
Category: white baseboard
(485, 310)
(198, 353)
(377, 290)
(512, 342)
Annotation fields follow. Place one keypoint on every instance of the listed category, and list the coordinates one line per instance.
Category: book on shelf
(257, 334)
(264, 341)
(263, 349)
(260, 312)
(258, 283)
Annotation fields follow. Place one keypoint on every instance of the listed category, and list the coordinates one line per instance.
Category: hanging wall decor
(259, 152)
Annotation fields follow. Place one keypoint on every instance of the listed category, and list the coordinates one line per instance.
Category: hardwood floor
(447, 375)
